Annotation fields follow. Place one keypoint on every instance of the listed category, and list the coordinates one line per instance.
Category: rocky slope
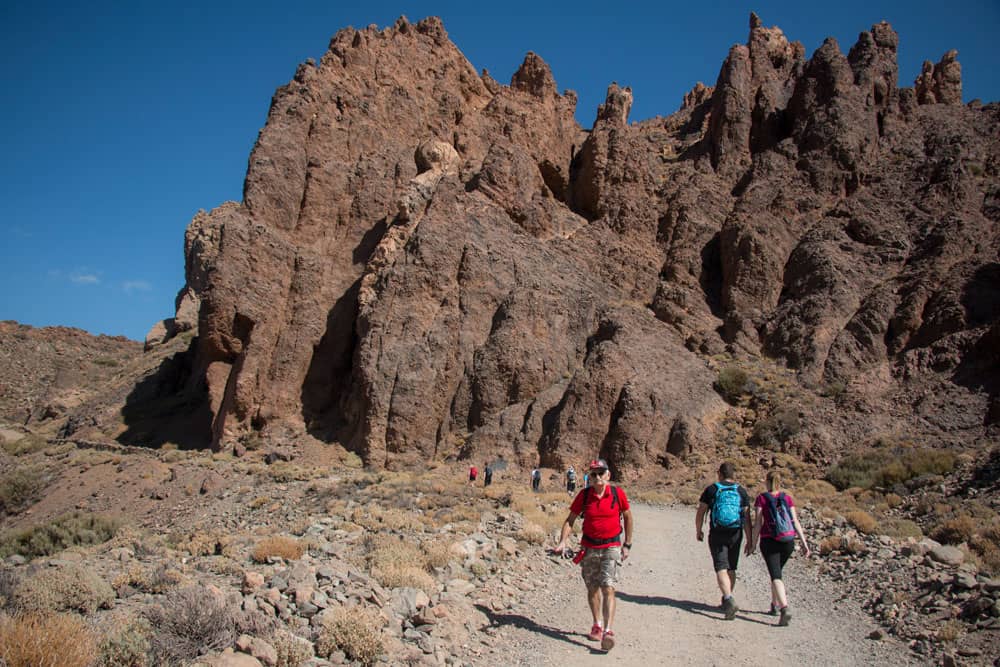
(427, 263)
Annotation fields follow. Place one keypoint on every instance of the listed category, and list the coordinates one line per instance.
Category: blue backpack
(727, 508)
(781, 517)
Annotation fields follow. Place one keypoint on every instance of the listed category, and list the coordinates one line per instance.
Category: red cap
(598, 464)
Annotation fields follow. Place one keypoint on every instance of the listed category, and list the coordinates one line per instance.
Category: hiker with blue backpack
(728, 505)
(605, 511)
(777, 524)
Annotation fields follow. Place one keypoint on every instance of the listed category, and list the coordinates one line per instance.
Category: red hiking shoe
(596, 633)
(608, 641)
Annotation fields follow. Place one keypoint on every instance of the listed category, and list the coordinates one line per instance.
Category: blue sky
(120, 120)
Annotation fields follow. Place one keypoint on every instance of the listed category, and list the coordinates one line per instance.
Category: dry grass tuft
(532, 533)
(356, 631)
(280, 546)
(396, 563)
(20, 487)
(950, 630)
(862, 520)
(29, 444)
(955, 531)
(901, 529)
(46, 640)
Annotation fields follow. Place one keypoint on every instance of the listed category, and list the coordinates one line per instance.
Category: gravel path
(668, 612)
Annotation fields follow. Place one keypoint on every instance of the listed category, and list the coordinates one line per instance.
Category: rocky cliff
(428, 263)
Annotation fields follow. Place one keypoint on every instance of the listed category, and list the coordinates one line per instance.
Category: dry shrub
(889, 466)
(68, 588)
(893, 500)
(356, 631)
(127, 645)
(955, 531)
(950, 630)
(21, 487)
(829, 545)
(46, 640)
(279, 546)
(816, 490)
(190, 622)
(532, 533)
(437, 553)
(396, 563)
(901, 529)
(292, 650)
(862, 520)
(29, 444)
(62, 533)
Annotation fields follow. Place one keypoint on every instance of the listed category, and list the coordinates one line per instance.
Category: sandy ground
(668, 612)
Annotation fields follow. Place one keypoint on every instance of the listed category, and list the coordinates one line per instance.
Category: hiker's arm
(567, 529)
(699, 519)
(758, 521)
(801, 533)
(747, 526)
(627, 515)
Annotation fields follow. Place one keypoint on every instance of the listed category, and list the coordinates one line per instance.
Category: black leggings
(775, 555)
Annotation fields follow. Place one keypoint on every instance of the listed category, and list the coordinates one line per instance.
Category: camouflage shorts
(601, 567)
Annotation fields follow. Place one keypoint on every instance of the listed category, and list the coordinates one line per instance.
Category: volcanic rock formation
(427, 263)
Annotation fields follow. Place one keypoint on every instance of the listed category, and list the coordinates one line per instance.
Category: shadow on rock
(164, 407)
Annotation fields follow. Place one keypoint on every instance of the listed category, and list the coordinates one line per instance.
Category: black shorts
(724, 543)
(775, 555)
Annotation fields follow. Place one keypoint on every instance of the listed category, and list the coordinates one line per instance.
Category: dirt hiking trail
(668, 612)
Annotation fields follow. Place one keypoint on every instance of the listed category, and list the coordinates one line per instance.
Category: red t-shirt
(601, 521)
(767, 528)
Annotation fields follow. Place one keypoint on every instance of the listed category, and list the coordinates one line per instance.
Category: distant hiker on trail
(586, 480)
(473, 474)
(570, 480)
(536, 479)
(777, 525)
(487, 475)
(604, 509)
(729, 505)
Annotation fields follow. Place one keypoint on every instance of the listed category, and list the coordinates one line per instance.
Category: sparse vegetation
(278, 546)
(774, 431)
(21, 487)
(62, 533)
(732, 382)
(71, 587)
(29, 444)
(191, 621)
(356, 631)
(397, 563)
(901, 529)
(127, 646)
(955, 531)
(887, 467)
(861, 520)
(46, 640)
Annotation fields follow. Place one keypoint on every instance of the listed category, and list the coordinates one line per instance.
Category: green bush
(732, 382)
(885, 468)
(774, 431)
(62, 533)
(20, 487)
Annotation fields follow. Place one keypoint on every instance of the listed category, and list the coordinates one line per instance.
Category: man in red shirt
(604, 509)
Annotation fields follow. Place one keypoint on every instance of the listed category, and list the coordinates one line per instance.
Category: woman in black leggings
(776, 545)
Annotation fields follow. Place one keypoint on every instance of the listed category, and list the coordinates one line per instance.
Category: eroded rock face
(427, 263)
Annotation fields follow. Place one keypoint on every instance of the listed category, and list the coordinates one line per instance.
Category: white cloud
(136, 286)
(81, 278)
